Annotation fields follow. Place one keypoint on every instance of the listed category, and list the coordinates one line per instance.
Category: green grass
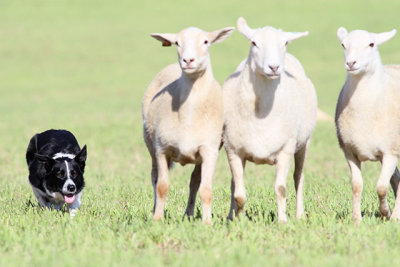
(84, 66)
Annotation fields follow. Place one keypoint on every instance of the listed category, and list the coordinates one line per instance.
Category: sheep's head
(361, 49)
(268, 48)
(192, 45)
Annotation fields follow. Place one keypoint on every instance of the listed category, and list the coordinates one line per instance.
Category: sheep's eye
(177, 43)
(253, 43)
(371, 45)
(60, 174)
(206, 42)
(343, 46)
(286, 43)
(73, 174)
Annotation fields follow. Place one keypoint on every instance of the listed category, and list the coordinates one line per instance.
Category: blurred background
(84, 65)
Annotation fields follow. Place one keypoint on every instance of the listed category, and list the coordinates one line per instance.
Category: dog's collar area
(63, 155)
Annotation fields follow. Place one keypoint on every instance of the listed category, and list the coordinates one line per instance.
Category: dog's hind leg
(42, 201)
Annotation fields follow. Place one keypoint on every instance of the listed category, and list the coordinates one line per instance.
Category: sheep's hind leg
(238, 191)
(194, 187)
(394, 181)
(389, 164)
(298, 176)
(154, 175)
(395, 185)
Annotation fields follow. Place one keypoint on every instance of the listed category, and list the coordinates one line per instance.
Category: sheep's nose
(350, 64)
(274, 68)
(188, 60)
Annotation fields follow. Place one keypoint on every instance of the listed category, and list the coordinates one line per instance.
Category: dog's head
(64, 174)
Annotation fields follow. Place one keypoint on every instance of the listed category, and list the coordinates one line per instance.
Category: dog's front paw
(73, 212)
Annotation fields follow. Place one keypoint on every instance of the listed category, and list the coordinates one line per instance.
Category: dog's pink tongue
(70, 199)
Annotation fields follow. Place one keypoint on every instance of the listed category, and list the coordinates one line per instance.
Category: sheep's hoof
(385, 214)
(157, 217)
(357, 220)
(207, 222)
(282, 220)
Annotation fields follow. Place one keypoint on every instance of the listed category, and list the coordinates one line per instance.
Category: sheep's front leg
(161, 186)
(389, 163)
(357, 185)
(298, 176)
(209, 161)
(282, 169)
(238, 191)
(194, 187)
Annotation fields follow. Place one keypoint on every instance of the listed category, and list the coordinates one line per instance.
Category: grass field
(84, 66)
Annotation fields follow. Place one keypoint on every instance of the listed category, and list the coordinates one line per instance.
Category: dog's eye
(73, 174)
(60, 174)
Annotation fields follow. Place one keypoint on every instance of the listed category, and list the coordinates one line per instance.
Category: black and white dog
(56, 165)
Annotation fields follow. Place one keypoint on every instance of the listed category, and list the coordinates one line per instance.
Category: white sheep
(368, 115)
(183, 117)
(270, 112)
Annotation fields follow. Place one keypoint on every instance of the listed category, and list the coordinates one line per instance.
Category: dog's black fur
(56, 166)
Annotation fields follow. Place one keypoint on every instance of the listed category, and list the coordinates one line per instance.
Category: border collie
(56, 165)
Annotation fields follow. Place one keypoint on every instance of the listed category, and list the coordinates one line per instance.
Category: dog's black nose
(71, 188)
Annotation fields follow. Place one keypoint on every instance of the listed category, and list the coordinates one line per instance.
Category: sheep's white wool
(183, 117)
(270, 110)
(368, 115)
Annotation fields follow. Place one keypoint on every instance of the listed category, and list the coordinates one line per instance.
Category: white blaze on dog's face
(361, 49)
(69, 187)
(268, 48)
(192, 46)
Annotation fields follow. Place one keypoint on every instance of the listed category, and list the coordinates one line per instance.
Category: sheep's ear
(380, 38)
(167, 39)
(220, 35)
(290, 36)
(244, 29)
(341, 33)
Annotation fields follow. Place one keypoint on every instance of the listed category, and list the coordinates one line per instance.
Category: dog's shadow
(34, 206)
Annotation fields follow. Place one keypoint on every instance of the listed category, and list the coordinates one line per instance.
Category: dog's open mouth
(69, 198)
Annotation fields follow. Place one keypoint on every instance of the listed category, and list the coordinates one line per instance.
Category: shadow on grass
(342, 215)
(29, 206)
(265, 216)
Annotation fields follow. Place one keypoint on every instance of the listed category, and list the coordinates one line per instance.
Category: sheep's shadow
(178, 96)
(342, 215)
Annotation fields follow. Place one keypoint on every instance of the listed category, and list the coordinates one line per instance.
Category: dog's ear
(81, 158)
(46, 160)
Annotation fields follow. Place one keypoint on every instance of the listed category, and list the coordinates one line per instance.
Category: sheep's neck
(371, 79)
(194, 85)
(262, 88)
